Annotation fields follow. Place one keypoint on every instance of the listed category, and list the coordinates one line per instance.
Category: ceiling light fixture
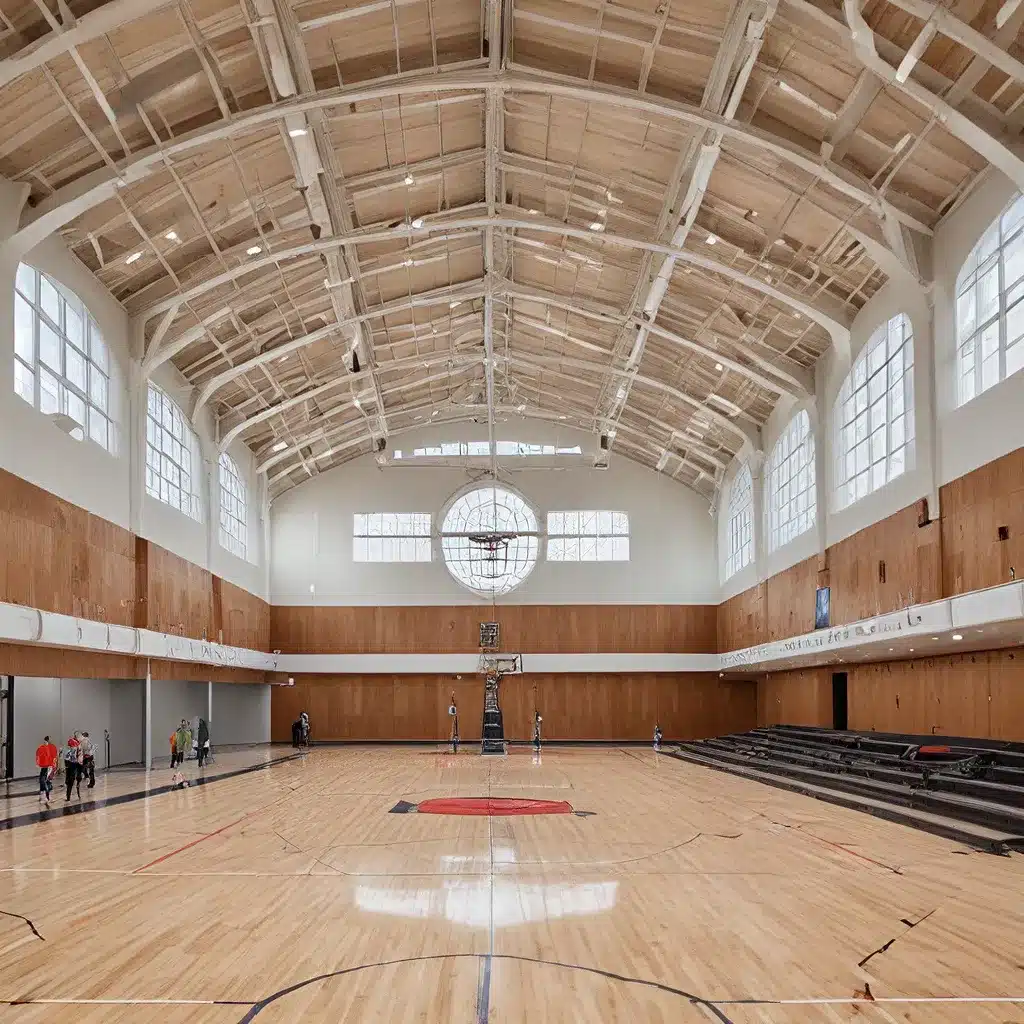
(452, 305)
(418, 222)
(958, 636)
(134, 258)
(753, 213)
(280, 446)
(171, 236)
(296, 133)
(798, 315)
(718, 367)
(410, 180)
(532, 212)
(283, 358)
(357, 403)
(597, 226)
(254, 250)
(711, 239)
(407, 262)
(780, 241)
(911, 650)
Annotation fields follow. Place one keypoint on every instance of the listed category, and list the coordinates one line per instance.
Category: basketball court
(668, 892)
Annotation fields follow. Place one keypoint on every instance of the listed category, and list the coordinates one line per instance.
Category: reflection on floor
(291, 894)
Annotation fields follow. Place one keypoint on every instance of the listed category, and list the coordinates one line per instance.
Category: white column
(147, 739)
(209, 704)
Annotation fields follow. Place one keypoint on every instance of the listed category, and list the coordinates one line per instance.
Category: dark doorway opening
(839, 708)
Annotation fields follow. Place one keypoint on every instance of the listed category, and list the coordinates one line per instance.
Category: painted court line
(188, 846)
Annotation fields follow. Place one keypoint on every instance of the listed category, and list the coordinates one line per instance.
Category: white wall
(672, 536)
(59, 707)
(113, 485)
(241, 713)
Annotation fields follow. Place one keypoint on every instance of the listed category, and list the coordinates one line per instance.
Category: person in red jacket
(46, 761)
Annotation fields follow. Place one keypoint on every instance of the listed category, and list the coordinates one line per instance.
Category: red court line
(188, 846)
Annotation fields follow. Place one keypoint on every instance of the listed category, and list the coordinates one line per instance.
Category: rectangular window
(588, 536)
(391, 537)
(233, 507)
(169, 446)
(58, 345)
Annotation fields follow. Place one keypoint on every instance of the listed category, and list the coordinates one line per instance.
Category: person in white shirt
(88, 760)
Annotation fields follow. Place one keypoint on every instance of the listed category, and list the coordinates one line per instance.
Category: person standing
(88, 760)
(73, 765)
(202, 741)
(536, 730)
(46, 761)
(183, 740)
(174, 748)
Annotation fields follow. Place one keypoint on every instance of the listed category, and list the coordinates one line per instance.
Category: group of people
(79, 762)
(183, 739)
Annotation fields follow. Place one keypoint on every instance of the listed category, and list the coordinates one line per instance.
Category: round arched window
(489, 540)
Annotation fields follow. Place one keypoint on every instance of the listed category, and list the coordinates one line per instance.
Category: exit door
(839, 708)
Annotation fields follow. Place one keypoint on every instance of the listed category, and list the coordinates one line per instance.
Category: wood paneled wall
(601, 707)
(60, 558)
(541, 629)
(973, 509)
(801, 697)
(909, 556)
(978, 694)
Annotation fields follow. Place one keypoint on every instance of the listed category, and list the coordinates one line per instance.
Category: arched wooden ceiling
(647, 218)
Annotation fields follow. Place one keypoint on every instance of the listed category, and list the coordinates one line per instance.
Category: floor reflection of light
(502, 855)
(468, 901)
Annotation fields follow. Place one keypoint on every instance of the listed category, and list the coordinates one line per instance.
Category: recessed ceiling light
(254, 250)
(134, 258)
(958, 636)
(711, 239)
(280, 446)
(597, 226)
(418, 222)
(171, 236)
(718, 367)
(296, 133)
(409, 179)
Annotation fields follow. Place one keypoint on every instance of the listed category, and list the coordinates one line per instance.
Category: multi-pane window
(169, 449)
(789, 483)
(467, 448)
(391, 537)
(741, 523)
(874, 415)
(989, 306)
(588, 536)
(61, 363)
(233, 510)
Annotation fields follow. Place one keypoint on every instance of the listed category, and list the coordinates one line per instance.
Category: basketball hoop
(489, 553)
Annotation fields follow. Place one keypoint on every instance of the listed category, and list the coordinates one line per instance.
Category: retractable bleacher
(969, 790)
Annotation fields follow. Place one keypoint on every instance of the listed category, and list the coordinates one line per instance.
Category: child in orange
(46, 762)
(174, 748)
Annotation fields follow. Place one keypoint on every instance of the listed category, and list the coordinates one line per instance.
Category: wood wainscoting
(980, 694)
(538, 629)
(573, 706)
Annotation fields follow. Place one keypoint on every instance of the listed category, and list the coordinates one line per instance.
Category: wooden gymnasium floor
(292, 894)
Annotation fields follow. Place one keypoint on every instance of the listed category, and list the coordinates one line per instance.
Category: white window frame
(234, 507)
(790, 498)
(171, 450)
(873, 418)
(588, 535)
(85, 397)
(990, 306)
(391, 537)
(473, 449)
(740, 523)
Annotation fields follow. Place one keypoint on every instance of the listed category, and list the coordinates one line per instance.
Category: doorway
(839, 707)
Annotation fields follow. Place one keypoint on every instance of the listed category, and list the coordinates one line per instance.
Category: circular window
(489, 540)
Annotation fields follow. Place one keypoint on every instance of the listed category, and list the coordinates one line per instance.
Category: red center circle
(492, 806)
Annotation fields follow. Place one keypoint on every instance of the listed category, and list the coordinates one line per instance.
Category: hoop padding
(501, 664)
